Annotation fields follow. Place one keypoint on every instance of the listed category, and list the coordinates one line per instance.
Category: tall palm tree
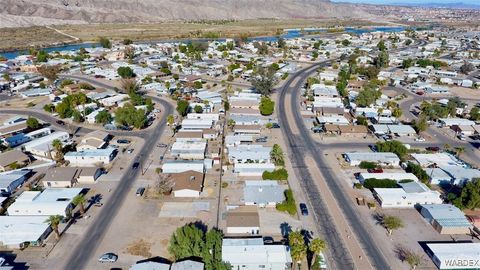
(58, 146)
(54, 221)
(316, 246)
(459, 150)
(298, 249)
(80, 201)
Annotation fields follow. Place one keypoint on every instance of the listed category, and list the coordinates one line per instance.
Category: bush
(280, 174)
(288, 205)
(372, 183)
(392, 146)
(357, 186)
(266, 106)
(417, 171)
(368, 165)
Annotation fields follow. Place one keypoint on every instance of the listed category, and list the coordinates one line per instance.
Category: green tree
(42, 56)
(391, 223)
(193, 241)
(277, 155)
(382, 60)
(54, 221)
(475, 114)
(267, 106)
(469, 196)
(49, 108)
(125, 72)
(182, 107)
(381, 45)
(80, 201)
(105, 42)
(103, 117)
(77, 116)
(226, 106)
(346, 42)
(49, 72)
(32, 123)
(406, 63)
(198, 109)
(397, 112)
(316, 246)
(263, 80)
(392, 146)
(421, 124)
(367, 97)
(128, 115)
(298, 249)
(362, 120)
(170, 119)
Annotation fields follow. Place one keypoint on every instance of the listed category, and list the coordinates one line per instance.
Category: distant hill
(458, 5)
(30, 12)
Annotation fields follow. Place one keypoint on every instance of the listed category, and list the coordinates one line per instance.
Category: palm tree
(459, 150)
(316, 246)
(58, 146)
(80, 201)
(277, 155)
(298, 249)
(54, 221)
(446, 147)
(391, 223)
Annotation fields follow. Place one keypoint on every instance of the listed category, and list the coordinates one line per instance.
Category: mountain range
(41, 12)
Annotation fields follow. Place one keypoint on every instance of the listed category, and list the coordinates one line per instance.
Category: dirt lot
(13, 38)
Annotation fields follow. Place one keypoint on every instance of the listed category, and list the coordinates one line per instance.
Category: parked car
(161, 145)
(130, 150)
(123, 141)
(462, 138)
(357, 175)
(433, 148)
(275, 125)
(376, 170)
(317, 129)
(135, 165)
(268, 240)
(60, 122)
(108, 257)
(140, 191)
(420, 139)
(98, 204)
(261, 139)
(303, 209)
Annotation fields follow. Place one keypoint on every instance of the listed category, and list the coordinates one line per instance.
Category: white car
(108, 257)
(420, 139)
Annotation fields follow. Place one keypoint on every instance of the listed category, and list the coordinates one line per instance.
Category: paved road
(85, 249)
(301, 145)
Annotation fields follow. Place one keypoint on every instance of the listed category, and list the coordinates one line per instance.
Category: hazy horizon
(409, 2)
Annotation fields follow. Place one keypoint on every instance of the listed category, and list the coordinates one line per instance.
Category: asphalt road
(299, 146)
(85, 249)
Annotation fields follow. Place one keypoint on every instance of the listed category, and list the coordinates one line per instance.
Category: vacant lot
(24, 37)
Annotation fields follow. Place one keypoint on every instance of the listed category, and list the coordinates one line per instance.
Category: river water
(294, 33)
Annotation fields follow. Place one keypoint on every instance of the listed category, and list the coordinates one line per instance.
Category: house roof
(9, 157)
(263, 192)
(243, 216)
(15, 230)
(447, 215)
(187, 180)
(59, 174)
(187, 265)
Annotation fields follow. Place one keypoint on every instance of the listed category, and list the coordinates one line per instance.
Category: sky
(409, 1)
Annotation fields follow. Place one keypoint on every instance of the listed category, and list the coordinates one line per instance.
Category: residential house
(88, 175)
(249, 153)
(243, 220)
(446, 218)
(189, 150)
(60, 177)
(94, 140)
(409, 195)
(381, 158)
(13, 159)
(454, 255)
(42, 147)
(18, 232)
(187, 184)
(252, 169)
(10, 181)
(179, 166)
(51, 201)
(263, 193)
(253, 254)
(89, 158)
